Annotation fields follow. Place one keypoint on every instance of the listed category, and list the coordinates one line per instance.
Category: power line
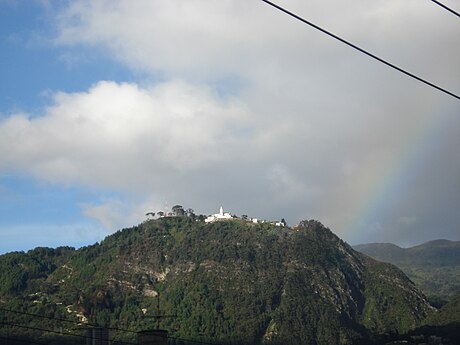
(57, 332)
(90, 325)
(68, 321)
(42, 329)
(63, 320)
(20, 340)
(40, 316)
(84, 336)
(446, 8)
(192, 341)
(361, 50)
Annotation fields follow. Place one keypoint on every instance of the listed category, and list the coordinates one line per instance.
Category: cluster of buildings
(219, 216)
(178, 211)
(228, 216)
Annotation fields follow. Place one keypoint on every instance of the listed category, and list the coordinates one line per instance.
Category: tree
(178, 210)
(201, 217)
(160, 214)
(244, 217)
(191, 213)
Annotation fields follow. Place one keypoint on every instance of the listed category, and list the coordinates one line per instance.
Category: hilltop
(229, 282)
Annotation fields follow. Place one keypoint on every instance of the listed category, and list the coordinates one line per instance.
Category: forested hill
(434, 266)
(228, 282)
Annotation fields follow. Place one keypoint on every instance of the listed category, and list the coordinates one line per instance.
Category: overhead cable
(192, 341)
(12, 324)
(64, 320)
(362, 50)
(9, 340)
(87, 324)
(446, 8)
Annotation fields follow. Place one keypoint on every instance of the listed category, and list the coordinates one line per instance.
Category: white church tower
(219, 216)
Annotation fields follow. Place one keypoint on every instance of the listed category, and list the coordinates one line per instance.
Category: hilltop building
(179, 211)
(219, 216)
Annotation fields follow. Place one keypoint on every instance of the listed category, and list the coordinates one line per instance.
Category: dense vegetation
(433, 266)
(229, 282)
(448, 314)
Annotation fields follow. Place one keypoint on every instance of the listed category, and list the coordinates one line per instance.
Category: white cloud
(116, 213)
(111, 214)
(120, 135)
(209, 39)
(311, 126)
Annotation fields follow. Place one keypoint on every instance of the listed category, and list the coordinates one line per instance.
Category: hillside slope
(230, 282)
(433, 266)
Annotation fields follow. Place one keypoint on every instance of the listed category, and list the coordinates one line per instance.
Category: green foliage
(448, 314)
(433, 266)
(18, 269)
(390, 296)
(232, 282)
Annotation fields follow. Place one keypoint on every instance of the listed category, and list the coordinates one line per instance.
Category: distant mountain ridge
(230, 282)
(434, 266)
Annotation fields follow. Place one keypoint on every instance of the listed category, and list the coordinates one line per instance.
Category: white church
(219, 216)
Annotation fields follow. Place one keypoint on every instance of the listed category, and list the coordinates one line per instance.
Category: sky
(110, 109)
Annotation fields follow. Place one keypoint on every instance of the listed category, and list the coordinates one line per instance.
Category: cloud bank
(245, 107)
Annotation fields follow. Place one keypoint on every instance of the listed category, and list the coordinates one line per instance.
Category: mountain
(230, 282)
(434, 266)
(386, 252)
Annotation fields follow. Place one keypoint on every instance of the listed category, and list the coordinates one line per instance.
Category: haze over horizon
(111, 109)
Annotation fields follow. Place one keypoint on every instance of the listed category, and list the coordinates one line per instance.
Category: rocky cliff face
(229, 282)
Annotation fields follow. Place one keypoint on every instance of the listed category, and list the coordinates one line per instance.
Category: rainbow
(382, 188)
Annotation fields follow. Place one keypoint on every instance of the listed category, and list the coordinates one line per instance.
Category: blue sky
(32, 210)
(35, 67)
(111, 109)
